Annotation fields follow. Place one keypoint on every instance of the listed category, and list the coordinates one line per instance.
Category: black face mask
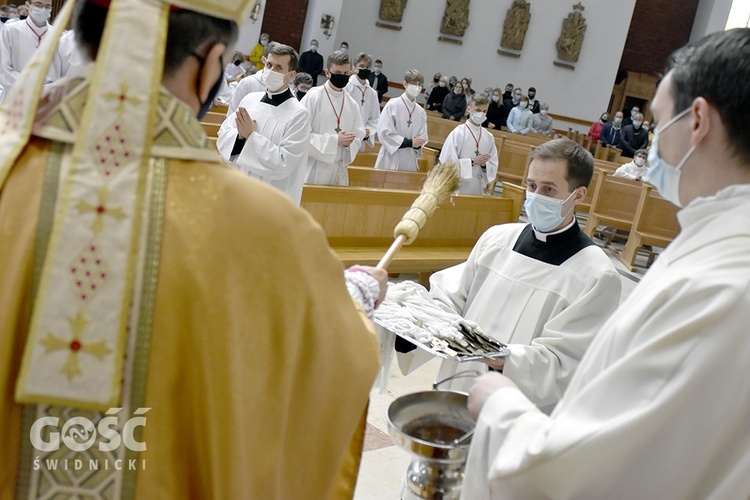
(206, 105)
(237, 62)
(339, 81)
(300, 95)
(4, 19)
(436, 80)
(22, 17)
(531, 95)
(363, 73)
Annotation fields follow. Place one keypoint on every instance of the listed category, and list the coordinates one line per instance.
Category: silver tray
(461, 358)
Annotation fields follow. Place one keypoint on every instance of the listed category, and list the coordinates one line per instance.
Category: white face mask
(516, 98)
(545, 212)
(543, 112)
(496, 98)
(639, 161)
(274, 80)
(637, 124)
(479, 117)
(40, 15)
(663, 176)
(618, 120)
(314, 48)
(376, 70)
(523, 104)
(263, 75)
(413, 90)
(442, 84)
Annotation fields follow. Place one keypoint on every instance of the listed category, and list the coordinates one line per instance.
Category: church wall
(250, 32)
(315, 10)
(710, 17)
(583, 93)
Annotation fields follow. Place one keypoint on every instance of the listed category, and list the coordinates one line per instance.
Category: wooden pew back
(513, 161)
(614, 203)
(366, 217)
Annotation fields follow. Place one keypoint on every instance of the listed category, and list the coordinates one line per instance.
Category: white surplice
(394, 127)
(327, 163)
(461, 147)
(369, 106)
(632, 171)
(73, 53)
(253, 83)
(18, 43)
(660, 404)
(548, 314)
(276, 152)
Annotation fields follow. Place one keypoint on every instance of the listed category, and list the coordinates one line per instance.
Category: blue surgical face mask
(663, 176)
(544, 212)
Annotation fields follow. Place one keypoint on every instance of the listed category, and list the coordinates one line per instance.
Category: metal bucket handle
(466, 374)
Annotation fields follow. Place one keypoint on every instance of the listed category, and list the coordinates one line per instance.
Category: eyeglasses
(40, 5)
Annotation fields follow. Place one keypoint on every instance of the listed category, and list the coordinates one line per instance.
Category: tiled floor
(383, 463)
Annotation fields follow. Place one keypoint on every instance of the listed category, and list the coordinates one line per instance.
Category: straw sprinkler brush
(440, 183)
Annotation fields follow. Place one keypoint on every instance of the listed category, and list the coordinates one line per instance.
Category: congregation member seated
(612, 132)
(541, 123)
(437, 96)
(454, 104)
(519, 118)
(634, 137)
(637, 169)
(596, 128)
(495, 111)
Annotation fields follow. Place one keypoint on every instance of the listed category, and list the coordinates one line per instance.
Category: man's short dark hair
(285, 50)
(378, 61)
(338, 57)
(580, 162)
(188, 31)
(717, 68)
(302, 78)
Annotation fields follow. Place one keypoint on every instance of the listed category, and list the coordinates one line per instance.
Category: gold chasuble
(169, 328)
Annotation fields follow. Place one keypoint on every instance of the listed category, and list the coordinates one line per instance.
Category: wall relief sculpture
(571, 37)
(456, 17)
(392, 10)
(515, 26)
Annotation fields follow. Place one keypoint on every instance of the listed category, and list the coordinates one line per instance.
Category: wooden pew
(614, 203)
(211, 129)
(438, 129)
(359, 224)
(365, 159)
(213, 117)
(430, 156)
(373, 149)
(385, 179)
(219, 109)
(655, 223)
(585, 205)
(512, 162)
(533, 139)
(608, 166)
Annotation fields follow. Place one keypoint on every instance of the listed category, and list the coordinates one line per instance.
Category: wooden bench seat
(359, 224)
(386, 179)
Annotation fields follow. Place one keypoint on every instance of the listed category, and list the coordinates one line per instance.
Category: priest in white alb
(253, 83)
(337, 127)
(543, 288)
(359, 88)
(472, 149)
(19, 41)
(402, 127)
(268, 137)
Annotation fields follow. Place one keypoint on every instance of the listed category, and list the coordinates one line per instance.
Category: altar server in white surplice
(268, 136)
(253, 83)
(473, 149)
(359, 88)
(402, 127)
(543, 288)
(337, 127)
(660, 404)
(19, 41)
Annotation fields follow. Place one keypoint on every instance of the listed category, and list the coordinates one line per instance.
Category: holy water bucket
(434, 427)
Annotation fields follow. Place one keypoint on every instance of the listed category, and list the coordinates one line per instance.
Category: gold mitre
(111, 159)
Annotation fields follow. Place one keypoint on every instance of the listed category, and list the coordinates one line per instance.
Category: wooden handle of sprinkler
(397, 244)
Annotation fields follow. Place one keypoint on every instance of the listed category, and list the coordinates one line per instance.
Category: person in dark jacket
(495, 111)
(612, 132)
(378, 80)
(437, 96)
(311, 62)
(634, 136)
(454, 104)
